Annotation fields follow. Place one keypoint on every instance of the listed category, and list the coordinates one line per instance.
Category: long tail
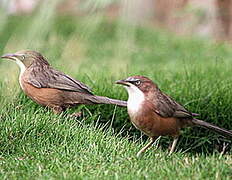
(209, 126)
(106, 100)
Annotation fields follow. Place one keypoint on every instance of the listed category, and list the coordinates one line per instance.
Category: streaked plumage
(157, 114)
(50, 87)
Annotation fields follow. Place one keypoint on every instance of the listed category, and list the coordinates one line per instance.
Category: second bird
(156, 114)
(52, 88)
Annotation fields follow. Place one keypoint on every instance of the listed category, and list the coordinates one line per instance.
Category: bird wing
(165, 106)
(47, 77)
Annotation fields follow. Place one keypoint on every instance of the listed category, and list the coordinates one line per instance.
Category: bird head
(137, 85)
(24, 58)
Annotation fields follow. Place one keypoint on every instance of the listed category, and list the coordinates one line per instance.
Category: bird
(156, 114)
(50, 87)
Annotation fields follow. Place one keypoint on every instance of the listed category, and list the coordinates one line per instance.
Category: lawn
(36, 144)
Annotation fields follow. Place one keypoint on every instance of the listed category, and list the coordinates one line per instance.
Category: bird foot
(138, 154)
(76, 115)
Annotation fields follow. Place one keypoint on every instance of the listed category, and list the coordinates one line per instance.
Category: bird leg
(57, 109)
(173, 145)
(152, 140)
(76, 115)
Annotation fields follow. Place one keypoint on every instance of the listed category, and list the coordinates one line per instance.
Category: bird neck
(135, 100)
(21, 66)
(22, 70)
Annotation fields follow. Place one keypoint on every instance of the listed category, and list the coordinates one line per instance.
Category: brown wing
(47, 77)
(165, 106)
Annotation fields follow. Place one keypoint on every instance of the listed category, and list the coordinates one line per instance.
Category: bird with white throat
(156, 114)
(52, 88)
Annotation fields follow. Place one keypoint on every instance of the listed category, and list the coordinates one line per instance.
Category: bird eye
(137, 83)
(23, 57)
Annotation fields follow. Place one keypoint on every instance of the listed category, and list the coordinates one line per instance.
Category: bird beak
(123, 82)
(10, 56)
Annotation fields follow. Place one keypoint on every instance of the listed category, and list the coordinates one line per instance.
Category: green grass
(36, 144)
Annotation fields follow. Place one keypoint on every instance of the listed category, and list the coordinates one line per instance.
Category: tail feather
(106, 100)
(215, 128)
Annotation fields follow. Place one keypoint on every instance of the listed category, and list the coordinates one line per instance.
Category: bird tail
(106, 100)
(215, 128)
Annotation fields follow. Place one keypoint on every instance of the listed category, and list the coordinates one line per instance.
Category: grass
(36, 144)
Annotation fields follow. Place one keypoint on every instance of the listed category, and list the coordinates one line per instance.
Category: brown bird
(156, 114)
(52, 88)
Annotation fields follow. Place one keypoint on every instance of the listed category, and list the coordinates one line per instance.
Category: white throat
(135, 100)
(22, 70)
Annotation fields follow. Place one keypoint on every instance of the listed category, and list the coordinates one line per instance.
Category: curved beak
(10, 56)
(122, 82)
